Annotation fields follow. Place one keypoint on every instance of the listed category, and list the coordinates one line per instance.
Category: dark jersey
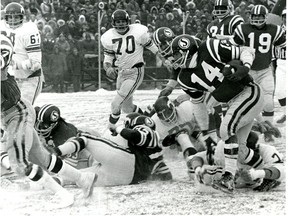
(262, 40)
(206, 76)
(223, 27)
(144, 143)
(10, 92)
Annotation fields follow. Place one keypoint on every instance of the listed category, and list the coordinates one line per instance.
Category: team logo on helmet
(168, 32)
(184, 43)
(54, 116)
(149, 122)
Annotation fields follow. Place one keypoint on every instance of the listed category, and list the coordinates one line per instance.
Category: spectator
(62, 28)
(147, 4)
(54, 26)
(62, 44)
(46, 9)
(73, 42)
(177, 16)
(152, 17)
(47, 29)
(240, 10)
(40, 25)
(177, 7)
(83, 12)
(168, 6)
(161, 21)
(68, 12)
(33, 19)
(121, 5)
(133, 9)
(82, 24)
(57, 68)
(143, 15)
(73, 30)
(173, 23)
(32, 9)
(48, 43)
(75, 64)
(89, 48)
(93, 24)
(112, 7)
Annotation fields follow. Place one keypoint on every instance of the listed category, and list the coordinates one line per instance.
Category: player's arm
(140, 136)
(239, 38)
(172, 83)
(32, 43)
(109, 56)
(280, 38)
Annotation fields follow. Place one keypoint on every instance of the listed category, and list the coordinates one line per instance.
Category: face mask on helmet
(134, 119)
(222, 8)
(163, 37)
(120, 21)
(258, 15)
(165, 110)
(183, 47)
(283, 15)
(14, 15)
(47, 119)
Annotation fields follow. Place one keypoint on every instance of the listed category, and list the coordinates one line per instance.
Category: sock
(73, 146)
(231, 155)
(268, 116)
(253, 158)
(113, 118)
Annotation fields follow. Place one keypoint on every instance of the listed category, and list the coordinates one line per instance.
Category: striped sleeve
(239, 36)
(234, 22)
(280, 37)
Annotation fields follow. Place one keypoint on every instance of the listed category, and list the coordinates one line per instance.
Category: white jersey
(185, 121)
(26, 46)
(128, 48)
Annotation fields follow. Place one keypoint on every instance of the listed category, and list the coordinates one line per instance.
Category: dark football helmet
(6, 51)
(258, 16)
(163, 37)
(120, 20)
(222, 8)
(165, 110)
(47, 118)
(183, 47)
(14, 15)
(134, 119)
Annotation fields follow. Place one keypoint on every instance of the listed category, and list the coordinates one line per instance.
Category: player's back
(224, 27)
(262, 40)
(185, 121)
(127, 48)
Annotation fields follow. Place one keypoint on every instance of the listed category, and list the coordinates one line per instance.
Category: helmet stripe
(42, 111)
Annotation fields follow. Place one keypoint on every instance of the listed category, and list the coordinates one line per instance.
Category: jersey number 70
(130, 44)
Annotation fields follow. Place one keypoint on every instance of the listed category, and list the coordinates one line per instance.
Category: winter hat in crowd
(60, 22)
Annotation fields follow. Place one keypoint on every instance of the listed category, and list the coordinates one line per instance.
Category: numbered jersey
(128, 48)
(220, 28)
(26, 45)
(185, 121)
(262, 40)
(207, 76)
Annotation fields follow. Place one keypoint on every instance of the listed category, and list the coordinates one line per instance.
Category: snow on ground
(177, 197)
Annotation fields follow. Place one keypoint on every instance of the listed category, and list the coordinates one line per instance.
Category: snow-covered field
(177, 197)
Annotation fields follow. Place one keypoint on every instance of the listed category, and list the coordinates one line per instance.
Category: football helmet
(165, 110)
(222, 8)
(14, 15)
(47, 118)
(134, 119)
(6, 51)
(120, 20)
(258, 16)
(163, 37)
(183, 47)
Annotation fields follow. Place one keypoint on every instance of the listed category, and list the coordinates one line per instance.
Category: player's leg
(128, 83)
(235, 128)
(280, 90)
(30, 88)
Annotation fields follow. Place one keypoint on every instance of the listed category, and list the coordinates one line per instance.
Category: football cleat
(267, 185)
(87, 182)
(225, 183)
(281, 120)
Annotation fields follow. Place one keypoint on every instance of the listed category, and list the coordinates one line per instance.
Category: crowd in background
(69, 28)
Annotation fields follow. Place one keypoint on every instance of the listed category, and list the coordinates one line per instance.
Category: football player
(54, 131)
(265, 177)
(26, 62)
(205, 68)
(125, 43)
(176, 124)
(225, 23)
(280, 73)
(135, 157)
(262, 37)
(27, 157)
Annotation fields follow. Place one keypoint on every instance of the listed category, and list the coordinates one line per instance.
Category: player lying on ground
(26, 155)
(264, 177)
(136, 157)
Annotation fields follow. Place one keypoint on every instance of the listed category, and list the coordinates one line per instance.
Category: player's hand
(111, 72)
(235, 72)
(199, 174)
(166, 91)
(168, 64)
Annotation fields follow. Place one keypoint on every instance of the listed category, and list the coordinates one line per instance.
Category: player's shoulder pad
(139, 28)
